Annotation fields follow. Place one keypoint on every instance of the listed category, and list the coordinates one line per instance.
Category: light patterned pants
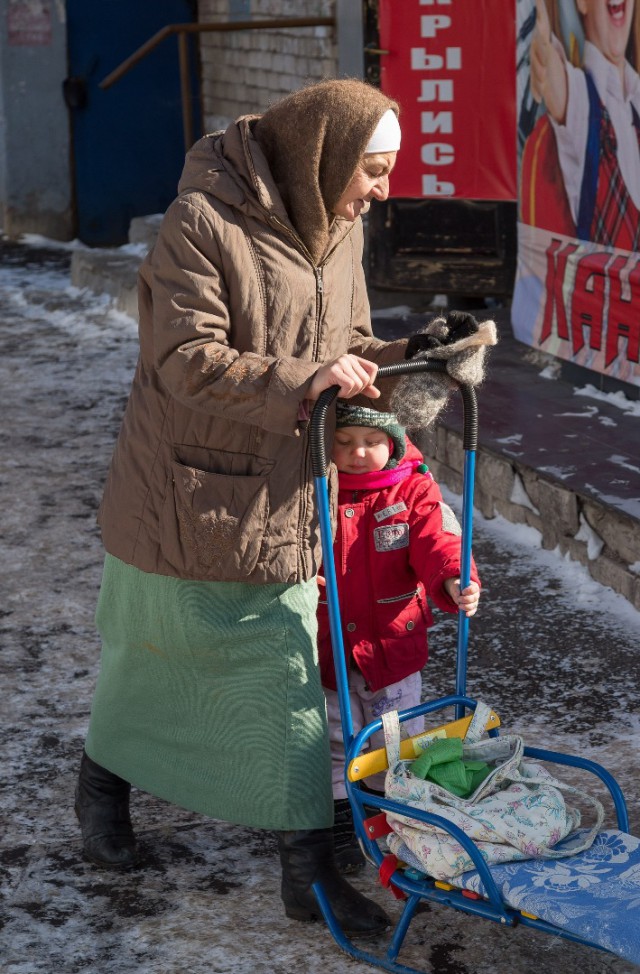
(367, 705)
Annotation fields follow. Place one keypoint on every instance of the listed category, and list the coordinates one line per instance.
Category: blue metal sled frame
(413, 885)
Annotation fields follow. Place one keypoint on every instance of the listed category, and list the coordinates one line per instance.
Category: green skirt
(209, 696)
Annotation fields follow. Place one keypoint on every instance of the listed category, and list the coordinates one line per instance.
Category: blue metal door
(128, 142)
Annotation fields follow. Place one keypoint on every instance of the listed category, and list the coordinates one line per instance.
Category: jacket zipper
(319, 296)
(398, 598)
(304, 500)
(317, 270)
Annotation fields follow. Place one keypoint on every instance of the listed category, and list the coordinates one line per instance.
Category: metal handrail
(182, 30)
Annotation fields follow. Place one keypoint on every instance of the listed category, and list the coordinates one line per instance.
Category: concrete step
(109, 272)
(143, 230)
(114, 271)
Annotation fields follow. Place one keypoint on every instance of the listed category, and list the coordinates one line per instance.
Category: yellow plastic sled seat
(373, 762)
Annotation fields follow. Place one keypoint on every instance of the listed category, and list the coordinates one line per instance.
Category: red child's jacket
(394, 546)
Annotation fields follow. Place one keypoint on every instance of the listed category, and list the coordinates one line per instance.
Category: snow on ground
(555, 653)
(617, 399)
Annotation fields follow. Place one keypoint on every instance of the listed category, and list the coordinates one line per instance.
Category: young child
(595, 113)
(397, 542)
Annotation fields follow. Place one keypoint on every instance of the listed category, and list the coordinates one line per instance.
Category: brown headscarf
(313, 140)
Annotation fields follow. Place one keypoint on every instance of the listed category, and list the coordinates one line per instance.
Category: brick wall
(245, 71)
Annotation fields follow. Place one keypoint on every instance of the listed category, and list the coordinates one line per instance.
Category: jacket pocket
(213, 525)
(401, 615)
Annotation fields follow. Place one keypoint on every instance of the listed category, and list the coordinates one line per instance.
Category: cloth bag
(517, 812)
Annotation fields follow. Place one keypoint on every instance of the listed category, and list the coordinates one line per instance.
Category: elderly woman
(252, 302)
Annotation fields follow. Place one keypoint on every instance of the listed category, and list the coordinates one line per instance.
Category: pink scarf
(377, 479)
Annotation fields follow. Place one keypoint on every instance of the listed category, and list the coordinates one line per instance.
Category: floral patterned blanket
(594, 894)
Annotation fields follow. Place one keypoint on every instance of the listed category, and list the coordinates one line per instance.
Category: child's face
(360, 449)
(607, 24)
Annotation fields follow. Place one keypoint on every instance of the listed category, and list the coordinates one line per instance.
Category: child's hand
(466, 601)
(548, 75)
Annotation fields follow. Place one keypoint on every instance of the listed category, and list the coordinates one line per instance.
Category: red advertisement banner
(451, 65)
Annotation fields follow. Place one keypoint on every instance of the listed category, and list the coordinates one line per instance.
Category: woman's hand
(466, 601)
(355, 376)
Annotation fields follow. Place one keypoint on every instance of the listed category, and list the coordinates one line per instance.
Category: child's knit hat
(347, 415)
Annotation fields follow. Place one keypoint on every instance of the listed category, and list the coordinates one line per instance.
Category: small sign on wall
(29, 23)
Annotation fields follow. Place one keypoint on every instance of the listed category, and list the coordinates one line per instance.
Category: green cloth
(209, 696)
(442, 763)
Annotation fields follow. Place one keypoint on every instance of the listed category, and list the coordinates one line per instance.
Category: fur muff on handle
(458, 340)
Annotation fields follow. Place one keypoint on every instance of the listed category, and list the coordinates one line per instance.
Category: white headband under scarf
(386, 137)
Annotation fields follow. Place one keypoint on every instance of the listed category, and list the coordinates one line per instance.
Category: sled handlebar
(319, 415)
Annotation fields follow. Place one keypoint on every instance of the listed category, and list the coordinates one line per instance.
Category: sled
(591, 897)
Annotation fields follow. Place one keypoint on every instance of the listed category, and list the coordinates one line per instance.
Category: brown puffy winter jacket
(211, 476)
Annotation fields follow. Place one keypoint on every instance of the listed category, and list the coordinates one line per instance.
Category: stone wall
(602, 539)
(245, 71)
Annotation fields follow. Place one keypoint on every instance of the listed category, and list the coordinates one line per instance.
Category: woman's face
(607, 25)
(370, 181)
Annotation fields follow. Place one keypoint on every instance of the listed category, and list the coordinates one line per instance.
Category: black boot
(307, 857)
(102, 807)
(348, 854)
